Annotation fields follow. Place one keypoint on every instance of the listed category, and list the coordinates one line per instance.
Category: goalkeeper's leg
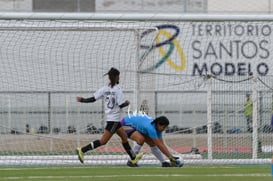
(136, 147)
(160, 156)
(155, 150)
(157, 153)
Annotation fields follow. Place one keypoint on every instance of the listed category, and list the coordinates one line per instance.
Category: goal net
(44, 66)
(196, 73)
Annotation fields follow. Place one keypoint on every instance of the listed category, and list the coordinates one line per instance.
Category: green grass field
(150, 173)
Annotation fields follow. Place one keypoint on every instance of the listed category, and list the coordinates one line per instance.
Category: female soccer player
(113, 103)
(142, 128)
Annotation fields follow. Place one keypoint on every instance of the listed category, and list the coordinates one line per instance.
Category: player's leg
(134, 157)
(134, 135)
(247, 123)
(107, 134)
(139, 140)
(160, 156)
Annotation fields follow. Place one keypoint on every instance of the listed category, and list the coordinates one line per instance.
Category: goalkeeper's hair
(161, 120)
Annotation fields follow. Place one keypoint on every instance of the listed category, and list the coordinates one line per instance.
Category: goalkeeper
(142, 128)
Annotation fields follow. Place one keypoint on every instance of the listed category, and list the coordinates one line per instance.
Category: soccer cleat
(130, 164)
(80, 154)
(137, 158)
(166, 164)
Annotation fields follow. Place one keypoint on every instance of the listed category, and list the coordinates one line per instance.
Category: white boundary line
(148, 159)
(137, 175)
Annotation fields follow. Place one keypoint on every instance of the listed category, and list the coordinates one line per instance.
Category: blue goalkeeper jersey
(143, 124)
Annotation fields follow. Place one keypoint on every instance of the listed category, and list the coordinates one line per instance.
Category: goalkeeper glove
(173, 161)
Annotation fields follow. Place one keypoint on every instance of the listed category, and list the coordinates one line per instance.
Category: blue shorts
(128, 129)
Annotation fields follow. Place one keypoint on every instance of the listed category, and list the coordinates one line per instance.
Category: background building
(153, 6)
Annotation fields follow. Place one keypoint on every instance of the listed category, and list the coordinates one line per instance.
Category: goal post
(240, 139)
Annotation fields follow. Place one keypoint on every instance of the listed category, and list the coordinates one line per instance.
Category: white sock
(158, 154)
(136, 147)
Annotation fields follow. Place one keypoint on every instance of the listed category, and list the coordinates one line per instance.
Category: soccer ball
(180, 162)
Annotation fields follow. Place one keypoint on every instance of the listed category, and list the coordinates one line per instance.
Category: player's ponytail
(161, 120)
(113, 73)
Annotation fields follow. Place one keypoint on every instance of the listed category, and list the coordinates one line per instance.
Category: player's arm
(121, 100)
(85, 100)
(126, 103)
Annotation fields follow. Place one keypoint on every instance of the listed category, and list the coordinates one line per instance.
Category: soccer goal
(182, 68)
